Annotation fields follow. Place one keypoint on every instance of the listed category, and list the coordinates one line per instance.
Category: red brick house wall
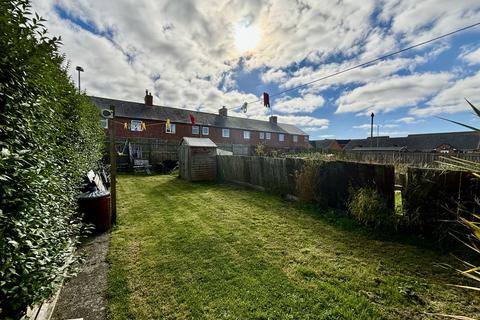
(156, 129)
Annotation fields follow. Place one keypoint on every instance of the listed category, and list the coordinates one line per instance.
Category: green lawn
(202, 250)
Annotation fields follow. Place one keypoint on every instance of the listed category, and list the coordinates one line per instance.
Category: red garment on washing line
(266, 100)
(192, 119)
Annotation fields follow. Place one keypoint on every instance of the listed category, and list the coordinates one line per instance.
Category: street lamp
(371, 130)
(371, 125)
(79, 69)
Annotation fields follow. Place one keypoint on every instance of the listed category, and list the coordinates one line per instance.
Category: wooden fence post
(113, 169)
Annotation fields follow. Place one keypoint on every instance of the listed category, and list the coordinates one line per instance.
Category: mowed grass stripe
(203, 250)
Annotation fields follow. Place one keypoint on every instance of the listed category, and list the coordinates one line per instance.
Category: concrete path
(84, 296)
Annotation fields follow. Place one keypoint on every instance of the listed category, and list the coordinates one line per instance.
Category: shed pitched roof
(140, 111)
(198, 142)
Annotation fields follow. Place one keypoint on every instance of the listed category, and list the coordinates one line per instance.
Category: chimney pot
(273, 119)
(148, 98)
(223, 111)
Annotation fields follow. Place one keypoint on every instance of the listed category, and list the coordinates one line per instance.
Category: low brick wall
(331, 183)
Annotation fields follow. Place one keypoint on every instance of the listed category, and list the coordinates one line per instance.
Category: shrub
(260, 150)
(368, 207)
(49, 139)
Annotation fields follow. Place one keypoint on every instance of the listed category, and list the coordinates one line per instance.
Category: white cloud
(409, 120)
(392, 93)
(306, 103)
(175, 49)
(471, 57)
(369, 73)
(327, 136)
(363, 126)
(184, 40)
(451, 100)
(273, 75)
(184, 50)
(295, 30)
(305, 121)
(406, 120)
(421, 20)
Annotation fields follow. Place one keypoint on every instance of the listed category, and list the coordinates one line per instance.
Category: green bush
(49, 138)
(368, 207)
(260, 150)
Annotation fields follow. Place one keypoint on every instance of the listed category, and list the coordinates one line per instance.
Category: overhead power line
(366, 63)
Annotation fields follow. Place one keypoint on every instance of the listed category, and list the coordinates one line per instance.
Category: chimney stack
(148, 98)
(273, 119)
(223, 111)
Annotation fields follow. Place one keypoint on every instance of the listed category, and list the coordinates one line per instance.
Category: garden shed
(197, 159)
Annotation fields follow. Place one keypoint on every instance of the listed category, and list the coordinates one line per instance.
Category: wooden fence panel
(409, 158)
(332, 184)
(432, 197)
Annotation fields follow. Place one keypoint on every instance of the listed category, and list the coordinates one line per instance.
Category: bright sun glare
(246, 37)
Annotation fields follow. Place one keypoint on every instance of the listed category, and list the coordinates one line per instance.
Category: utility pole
(371, 130)
(79, 69)
(113, 168)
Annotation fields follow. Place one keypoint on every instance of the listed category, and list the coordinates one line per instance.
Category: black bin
(96, 210)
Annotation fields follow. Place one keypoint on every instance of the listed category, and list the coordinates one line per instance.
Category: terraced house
(134, 120)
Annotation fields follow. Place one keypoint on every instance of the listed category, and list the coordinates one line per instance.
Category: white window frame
(268, 135)
(197, 129)
(225, 133)
(281, 137)
(104, 123)
(246, 135)
(205, 131)
(172, 130)
(135, 125)
(306, 138)
(295, 138)
(261, 135)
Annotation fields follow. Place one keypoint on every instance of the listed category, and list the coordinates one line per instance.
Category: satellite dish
(107, 113)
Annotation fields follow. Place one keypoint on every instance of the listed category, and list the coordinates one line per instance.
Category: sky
(202, 55)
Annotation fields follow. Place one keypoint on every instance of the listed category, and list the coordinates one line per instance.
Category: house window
(306, 138)
(205, 131)
(295, 138)
(281, 137)
(268, 135)
(195, 129)
(135, 125)
(172, 128)
(262, 135)
(226, 133)
(246, 135)
(104, 123)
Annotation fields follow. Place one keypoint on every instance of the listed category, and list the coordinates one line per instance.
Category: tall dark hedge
(49, 138)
